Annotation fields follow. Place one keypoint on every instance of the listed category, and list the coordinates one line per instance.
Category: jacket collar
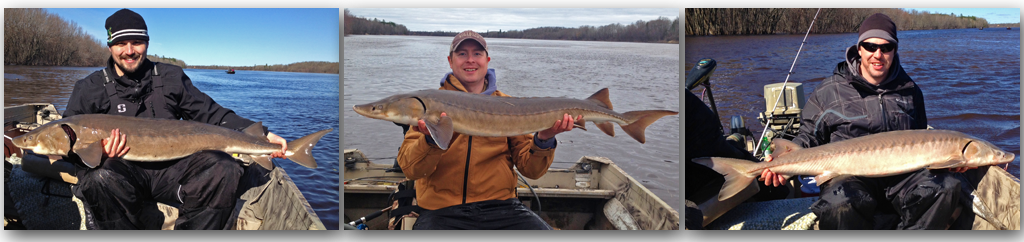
(135, 86)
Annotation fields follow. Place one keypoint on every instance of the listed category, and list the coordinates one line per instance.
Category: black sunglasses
(871, 47)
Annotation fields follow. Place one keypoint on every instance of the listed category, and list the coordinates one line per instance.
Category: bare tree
(33, 36)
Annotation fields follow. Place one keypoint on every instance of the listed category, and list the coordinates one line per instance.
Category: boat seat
(575, 193)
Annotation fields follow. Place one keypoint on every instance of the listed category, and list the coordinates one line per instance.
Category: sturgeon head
(50, 139)
(408, 109)
(64, 137)
(402, 108)
(978, 152)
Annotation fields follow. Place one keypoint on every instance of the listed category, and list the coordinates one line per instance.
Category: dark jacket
(176, 99)
(846, 106)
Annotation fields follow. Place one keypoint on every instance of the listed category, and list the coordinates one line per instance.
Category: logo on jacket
(121, 108)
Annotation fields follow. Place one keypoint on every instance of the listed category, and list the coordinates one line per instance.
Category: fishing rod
(369, 217)
(782, 91)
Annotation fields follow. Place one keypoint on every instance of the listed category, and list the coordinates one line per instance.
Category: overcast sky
(493, 19)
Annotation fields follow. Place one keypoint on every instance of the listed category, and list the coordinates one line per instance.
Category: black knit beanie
(878, 26)
(125, 25)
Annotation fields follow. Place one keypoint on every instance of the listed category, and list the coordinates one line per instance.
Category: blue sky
(223, 36)
(992, 15)
(484, 19)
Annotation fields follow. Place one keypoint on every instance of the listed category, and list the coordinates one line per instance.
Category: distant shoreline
(249, 68)
(191, 68)
(660, 30)
(771, 21)
(657, 42)
(306, 67)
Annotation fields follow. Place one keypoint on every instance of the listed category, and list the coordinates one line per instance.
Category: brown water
(970, 78)
(639, 76)
(41, 84)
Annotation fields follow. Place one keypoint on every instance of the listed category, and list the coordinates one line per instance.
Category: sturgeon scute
(154, 140)
(876, 155)
(481, 115)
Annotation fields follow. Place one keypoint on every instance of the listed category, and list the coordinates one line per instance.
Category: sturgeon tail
(639, 120)
(733, 169)
(300, 150)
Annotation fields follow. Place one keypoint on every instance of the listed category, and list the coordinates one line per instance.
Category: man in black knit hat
(117, 190)
(870, 93)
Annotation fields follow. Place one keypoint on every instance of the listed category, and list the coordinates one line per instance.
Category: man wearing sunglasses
(871, 93)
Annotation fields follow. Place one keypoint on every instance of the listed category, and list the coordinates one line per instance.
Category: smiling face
(874, 65)
(128, 55)
(469, 63)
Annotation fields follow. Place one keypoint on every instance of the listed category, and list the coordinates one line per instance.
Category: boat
(994, 192)
(593, 194)
(38, 192)
(232, 71)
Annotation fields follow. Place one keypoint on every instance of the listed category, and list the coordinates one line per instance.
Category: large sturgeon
(153, 140)
(876, 155)
(481, 115)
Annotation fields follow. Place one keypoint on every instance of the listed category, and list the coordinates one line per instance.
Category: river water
(291, 104)
(970, 78)
(639, 76)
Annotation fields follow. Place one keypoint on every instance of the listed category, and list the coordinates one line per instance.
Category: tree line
(358, 25)
(662, 30)
(307, 66)
(1005, 25)
(34, 36)
(167, 60)
(745, 21)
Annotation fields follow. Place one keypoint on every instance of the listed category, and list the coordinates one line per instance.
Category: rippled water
(970, 78)
(292, 105)
(639, 76)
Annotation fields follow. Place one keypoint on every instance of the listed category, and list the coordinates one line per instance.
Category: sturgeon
(481, 115)
(876, 155)
(154, 140)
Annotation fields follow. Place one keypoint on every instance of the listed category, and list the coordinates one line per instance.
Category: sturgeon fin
(441, 131)
(825, 176)
(601, 98)
(640, 120)
(607, 128)
(255, 129)
(580, 124)
(90, 153)
(947, 164)
(301, 150)
(265, 162)
(782, 147)
(262, 160)
(733, 170)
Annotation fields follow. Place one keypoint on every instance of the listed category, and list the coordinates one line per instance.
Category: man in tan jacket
(472, 185)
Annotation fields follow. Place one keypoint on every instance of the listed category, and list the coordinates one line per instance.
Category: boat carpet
(44, 203)
(785, 214)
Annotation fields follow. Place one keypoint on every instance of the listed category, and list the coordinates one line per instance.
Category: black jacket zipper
(885, 119)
